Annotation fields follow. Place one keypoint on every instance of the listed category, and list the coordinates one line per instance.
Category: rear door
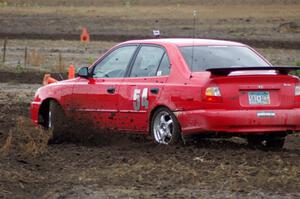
(96, 99)
(140, 90)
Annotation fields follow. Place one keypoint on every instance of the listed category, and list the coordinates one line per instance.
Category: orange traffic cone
(71, 73)
(48, 79)
(85, 36)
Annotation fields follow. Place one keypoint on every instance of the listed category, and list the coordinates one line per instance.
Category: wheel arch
(44, 109)
(152, 113)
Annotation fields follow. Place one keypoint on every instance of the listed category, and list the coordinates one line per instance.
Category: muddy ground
(119, 166)
(94, 165)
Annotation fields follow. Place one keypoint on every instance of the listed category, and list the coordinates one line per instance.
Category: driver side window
(115, 64)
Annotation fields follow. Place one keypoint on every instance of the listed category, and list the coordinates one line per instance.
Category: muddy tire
(56, 122)
(254, 141)
(165, 128)
(275, 143)
(267, 143)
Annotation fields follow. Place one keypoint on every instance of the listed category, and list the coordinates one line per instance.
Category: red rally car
(170, 88)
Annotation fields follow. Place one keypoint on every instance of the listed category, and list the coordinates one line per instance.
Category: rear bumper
(239, 121)
(34, 110)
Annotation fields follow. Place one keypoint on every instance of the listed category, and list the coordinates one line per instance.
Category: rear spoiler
(226, 71)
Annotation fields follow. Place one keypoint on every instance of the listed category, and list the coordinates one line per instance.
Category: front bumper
(34, 109)
(239, 121)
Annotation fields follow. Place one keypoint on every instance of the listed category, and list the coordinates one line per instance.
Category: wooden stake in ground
(4, 50)
(25, 57)
(59, 59)
(61, 66)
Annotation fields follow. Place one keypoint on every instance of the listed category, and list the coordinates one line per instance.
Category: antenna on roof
(194, 27)
(194, 35)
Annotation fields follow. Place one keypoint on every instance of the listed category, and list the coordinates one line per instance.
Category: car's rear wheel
(275, 142)
(165, 128)
(56, 123)
(266, 142)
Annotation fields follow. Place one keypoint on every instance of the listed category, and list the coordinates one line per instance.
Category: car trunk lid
(258, 88)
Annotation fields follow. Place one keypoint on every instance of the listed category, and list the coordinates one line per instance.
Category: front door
(95, 100)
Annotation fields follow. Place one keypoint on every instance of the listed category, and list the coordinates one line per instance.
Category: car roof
(187, 42)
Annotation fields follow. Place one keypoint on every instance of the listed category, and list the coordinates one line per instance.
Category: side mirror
(83, 72)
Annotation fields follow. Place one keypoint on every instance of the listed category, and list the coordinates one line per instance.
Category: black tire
(173, 131)
(266, 142)
(255, 141)
(275, 143)
(56, 123)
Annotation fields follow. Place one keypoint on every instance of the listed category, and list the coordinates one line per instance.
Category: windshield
(205, 57)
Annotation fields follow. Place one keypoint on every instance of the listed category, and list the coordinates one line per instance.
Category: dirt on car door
(138, 96)
(95, 101)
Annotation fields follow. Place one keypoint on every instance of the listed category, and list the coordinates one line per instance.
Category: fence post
(25, 57)
(4, 50)
(59, 59)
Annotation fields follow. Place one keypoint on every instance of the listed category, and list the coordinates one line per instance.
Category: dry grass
(77, 55)
(35, 58)
(60, 66)
(7, 146)
(72, 52)
(25, 140)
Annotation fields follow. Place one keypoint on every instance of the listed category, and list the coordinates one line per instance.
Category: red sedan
(171, 88)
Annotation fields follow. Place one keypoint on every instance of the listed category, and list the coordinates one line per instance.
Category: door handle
(154, 90)
(111, 90)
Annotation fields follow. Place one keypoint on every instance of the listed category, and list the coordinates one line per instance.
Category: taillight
(213, 94)
(297, 93)
(297, 90)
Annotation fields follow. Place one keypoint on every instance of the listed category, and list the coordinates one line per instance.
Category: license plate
(259, 97)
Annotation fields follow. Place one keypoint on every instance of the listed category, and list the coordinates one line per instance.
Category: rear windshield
(205, 57)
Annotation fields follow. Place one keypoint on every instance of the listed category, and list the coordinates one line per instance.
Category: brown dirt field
(251, 22)
(76, 3)
(120, 166)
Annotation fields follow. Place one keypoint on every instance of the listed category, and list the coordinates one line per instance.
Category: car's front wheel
(165, 128)
(56, 123)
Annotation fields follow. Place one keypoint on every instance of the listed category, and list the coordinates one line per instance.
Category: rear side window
(147, 62)
(115, 64)
(164, 67)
